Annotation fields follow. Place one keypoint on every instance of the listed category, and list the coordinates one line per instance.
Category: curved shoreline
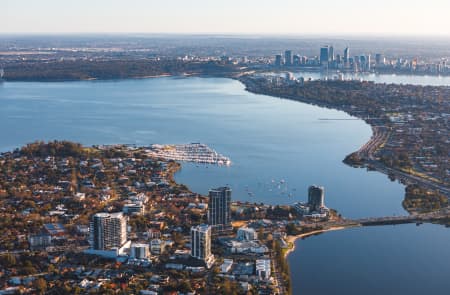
(293, 239)
(370, 161)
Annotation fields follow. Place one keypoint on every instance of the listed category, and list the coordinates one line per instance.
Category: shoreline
(401, 176)
(167, 75)
(235, 75)
(293, 239)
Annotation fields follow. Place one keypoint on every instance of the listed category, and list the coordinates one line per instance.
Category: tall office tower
(368, 62)
(219, 211)
(296, 60)
(331, 54)
(201, 242)
(338, 59)
(363, 63)
(379, 59)
(304, 60)
(108, 231)
(356, 63)
(346, 55)
(278, 60)
(288, 58)
(316, 197)
(324, 55)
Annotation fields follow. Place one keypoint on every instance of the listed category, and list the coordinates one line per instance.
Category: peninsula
(409, 122)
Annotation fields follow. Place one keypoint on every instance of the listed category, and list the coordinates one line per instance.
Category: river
(278, 148)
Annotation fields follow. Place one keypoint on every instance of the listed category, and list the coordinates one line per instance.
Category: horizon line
(247, 34)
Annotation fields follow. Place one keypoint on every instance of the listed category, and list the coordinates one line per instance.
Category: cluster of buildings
(109, 238)
(109, 234)
(135, 204)
(246, 242)
(329, 60)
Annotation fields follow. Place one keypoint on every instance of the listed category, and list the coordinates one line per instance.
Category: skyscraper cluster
(290, 59)
(359, 63)
(328, 59)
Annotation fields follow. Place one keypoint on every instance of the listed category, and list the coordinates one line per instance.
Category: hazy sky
(412, 17)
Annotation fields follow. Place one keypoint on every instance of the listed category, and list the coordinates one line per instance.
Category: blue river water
(401, 259)
(278, 148)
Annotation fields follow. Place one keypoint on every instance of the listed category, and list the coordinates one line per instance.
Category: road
(408, 178)
(367, 152)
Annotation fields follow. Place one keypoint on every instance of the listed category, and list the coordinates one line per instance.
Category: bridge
(442, 214)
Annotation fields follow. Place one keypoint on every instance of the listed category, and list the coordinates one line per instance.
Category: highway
(408, 178)
(367, 151)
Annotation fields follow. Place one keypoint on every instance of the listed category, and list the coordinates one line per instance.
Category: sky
(297, 17)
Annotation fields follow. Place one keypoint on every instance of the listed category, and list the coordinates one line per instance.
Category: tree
(51, 268)
(40, 285)
(261, 233)
(8, 260)
(291, 229)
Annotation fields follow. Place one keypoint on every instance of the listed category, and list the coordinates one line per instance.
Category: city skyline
(249, 17)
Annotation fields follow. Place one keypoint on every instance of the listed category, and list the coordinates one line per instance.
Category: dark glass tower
(324, 55)
(219, 210)
(316, 197)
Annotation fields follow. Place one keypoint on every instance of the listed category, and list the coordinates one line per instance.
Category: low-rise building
(247, 247)
(139, 251)
(39, 241)
(134, 208)
(157, 246)
(263, 269)
(226, 265)
(246, 234)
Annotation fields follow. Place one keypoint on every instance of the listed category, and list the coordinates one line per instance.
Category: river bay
(401, 259)
(277, 148)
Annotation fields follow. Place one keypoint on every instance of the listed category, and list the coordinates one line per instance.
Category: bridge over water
(413, 218)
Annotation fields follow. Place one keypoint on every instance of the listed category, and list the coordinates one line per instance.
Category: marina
(193, 152)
